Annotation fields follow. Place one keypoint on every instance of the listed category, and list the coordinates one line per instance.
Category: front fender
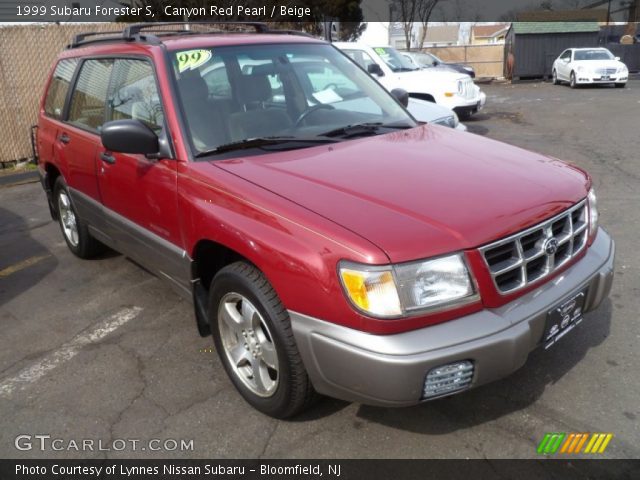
(297, 250)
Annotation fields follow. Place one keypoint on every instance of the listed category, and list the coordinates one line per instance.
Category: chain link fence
(27, 53)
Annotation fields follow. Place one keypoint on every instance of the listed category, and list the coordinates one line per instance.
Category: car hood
(420, 192)
(435, 75)
(591, 64)
(425, 111)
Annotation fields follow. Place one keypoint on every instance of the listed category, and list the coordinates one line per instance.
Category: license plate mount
(563, 318)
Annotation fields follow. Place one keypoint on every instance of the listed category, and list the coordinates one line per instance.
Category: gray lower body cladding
(390, 370)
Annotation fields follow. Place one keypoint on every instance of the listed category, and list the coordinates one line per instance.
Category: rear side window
(135, 95)
(89, 97)
(58, 88)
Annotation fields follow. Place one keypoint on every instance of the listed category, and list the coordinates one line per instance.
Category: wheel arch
(207, 259)
(423, 96)
(51, 175)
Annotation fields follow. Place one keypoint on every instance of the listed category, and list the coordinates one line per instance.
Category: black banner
(542, 469)
(318, 10)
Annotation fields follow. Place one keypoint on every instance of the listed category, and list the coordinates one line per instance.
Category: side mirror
(434, 63)
(401, 95)
(618, 58)
(129, 136)
(375, 69)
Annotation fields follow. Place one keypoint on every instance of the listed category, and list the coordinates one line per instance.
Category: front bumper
(589, 78)
(467, 108)
(390, 370)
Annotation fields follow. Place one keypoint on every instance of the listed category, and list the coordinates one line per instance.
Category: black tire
(85, 246)
(554, 77)
(465, 115)
(572, 80)
(294, 392)
(621, 85)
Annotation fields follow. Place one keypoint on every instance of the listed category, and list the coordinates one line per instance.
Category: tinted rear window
(58, 88)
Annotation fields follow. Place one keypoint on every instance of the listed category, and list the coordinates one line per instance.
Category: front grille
(525, 257)
(605, 71)
(468, 88)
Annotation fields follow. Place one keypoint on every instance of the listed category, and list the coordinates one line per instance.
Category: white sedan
(587, 66)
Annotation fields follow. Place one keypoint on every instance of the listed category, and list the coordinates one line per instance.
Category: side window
(90, 94)
(134, 94)
(566, 55)
(361, 57)
(58, 88)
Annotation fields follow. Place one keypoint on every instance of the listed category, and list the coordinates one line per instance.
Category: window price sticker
(192, 59)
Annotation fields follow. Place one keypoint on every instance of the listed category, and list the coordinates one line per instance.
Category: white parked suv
(450, 89)
(581, 66)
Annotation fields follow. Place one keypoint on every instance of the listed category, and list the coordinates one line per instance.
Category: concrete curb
(19, 178)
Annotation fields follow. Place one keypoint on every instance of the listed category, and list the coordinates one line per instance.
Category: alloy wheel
(248, 344)
(68, 219)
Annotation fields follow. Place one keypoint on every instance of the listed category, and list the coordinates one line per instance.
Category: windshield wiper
(359, 129)
(259, 142)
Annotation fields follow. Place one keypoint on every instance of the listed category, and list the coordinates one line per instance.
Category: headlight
(451, 121)
(592, 200)
(580, 69)
(409, 287)
(371, 289)
(456, 120)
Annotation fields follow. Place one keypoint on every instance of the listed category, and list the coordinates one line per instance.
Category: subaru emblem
(550, 246)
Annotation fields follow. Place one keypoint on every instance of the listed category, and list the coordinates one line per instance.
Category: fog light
(448, 379)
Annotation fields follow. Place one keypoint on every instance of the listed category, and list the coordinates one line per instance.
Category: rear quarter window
(58, 88)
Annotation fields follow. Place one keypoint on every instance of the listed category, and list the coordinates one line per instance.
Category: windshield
(285, 95)
(592, 55)
(425, 59)
(394, 60)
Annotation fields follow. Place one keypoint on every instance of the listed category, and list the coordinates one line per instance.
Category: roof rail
(81, 38)
(135, 32)
(131, 31)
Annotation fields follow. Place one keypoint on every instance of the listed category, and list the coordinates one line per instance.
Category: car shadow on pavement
(516, 392)
(24, 262)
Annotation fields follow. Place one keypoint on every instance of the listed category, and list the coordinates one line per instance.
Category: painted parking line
(16, 267)
(66, 352)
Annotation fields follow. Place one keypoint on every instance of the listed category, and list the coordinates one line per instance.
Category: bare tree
(412, 11)
(425, 10)
(407, 12)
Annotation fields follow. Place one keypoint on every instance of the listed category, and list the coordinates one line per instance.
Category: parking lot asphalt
(102, 350)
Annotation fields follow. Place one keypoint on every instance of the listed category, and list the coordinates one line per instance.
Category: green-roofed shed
(531, 47)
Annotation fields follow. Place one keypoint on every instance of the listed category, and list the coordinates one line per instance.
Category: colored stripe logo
(572, 443)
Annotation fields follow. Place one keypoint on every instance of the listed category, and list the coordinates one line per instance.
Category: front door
(563, 65)
(140, 194)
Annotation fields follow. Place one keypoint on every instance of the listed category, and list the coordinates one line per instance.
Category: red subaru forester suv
(329, 242)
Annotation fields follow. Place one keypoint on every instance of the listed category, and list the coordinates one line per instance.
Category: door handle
(64, 138)
(108, 158)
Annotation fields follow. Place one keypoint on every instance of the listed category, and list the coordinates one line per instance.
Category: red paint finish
(399, 197)
(421, 193)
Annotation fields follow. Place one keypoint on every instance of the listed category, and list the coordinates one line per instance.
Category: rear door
(140, 194)
(78, 139)
(50, 120)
